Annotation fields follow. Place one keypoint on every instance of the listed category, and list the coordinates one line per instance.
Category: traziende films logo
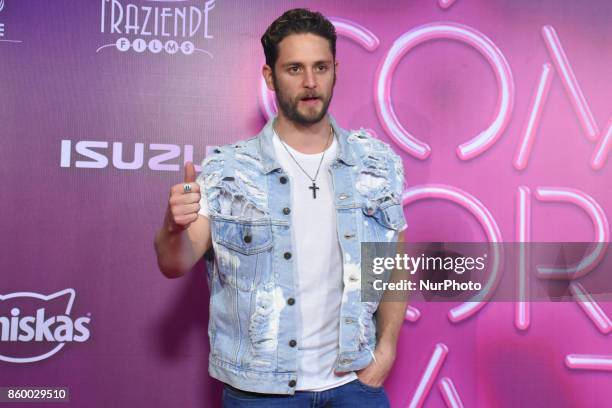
(34, 327)
(152, 28)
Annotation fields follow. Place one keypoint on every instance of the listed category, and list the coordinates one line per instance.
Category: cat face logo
(34, 327)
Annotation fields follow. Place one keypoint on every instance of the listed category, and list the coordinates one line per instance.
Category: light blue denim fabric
(251, 272)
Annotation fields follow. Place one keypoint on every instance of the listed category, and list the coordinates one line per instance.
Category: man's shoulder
(378, 157)
(236, 145)
(366, 143)
(224, 152)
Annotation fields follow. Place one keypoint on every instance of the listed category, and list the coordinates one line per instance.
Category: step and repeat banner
(500, 110)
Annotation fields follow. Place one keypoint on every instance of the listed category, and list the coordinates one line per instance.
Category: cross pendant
(314, 189)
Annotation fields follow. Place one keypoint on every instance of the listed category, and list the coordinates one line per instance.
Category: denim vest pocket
(243, 251)
(389, 212)
(245, 237)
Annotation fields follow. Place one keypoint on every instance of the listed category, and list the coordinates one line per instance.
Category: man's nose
(310, 79)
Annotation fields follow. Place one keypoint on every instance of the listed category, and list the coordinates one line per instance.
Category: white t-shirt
(318, 261)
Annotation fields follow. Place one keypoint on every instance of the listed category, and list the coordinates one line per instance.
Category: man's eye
(294, 69)
(322, 67)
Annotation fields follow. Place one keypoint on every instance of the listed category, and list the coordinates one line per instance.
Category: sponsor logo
(3, 30)
(95, 154)
(33, 327)
(128, 27)
(1, 24)
(158, 156)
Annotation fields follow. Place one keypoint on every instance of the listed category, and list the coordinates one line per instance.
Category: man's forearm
(389, 320)
(391, 311)
(175, 254)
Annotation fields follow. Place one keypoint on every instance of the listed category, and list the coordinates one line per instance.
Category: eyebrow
(289, 64)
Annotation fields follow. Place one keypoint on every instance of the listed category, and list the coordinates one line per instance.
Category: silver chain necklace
(313, 187)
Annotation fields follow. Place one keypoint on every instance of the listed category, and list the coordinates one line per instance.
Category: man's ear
(266, 72)
(336, 64)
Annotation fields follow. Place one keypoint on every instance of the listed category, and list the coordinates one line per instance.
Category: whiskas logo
(151, 28)
(28, 329)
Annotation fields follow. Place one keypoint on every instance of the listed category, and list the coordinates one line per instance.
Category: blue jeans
(350, 395)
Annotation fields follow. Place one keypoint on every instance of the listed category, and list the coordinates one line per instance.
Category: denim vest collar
(266, 147)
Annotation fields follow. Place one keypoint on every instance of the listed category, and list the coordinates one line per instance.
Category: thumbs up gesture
(184, 201)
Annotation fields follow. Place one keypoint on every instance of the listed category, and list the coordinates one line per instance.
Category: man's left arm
(389, 318)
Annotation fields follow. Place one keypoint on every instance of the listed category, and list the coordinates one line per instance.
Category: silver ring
(187, 188)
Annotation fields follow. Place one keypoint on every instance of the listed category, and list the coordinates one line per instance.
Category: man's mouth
(310, 100)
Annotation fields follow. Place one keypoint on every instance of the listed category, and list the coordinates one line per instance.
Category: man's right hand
(183, 206)
(184, 236)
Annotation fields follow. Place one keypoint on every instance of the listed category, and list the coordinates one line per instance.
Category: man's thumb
(190, 174)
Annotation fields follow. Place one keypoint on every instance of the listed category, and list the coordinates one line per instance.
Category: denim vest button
(292, 343)
(247, 238)
(292, 383)
(283, 180)
(290, 301)
(286, 210)
(287, 255)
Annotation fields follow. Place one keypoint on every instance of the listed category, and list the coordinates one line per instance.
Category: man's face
(304, 77)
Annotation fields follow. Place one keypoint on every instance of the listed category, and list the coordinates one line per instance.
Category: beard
(309, 114)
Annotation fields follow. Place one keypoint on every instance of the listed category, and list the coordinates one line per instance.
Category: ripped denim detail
(367, 326)
(373, 179)
(264, 325)
(239, 196)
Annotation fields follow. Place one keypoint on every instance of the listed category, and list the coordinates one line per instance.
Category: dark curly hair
(296, 21)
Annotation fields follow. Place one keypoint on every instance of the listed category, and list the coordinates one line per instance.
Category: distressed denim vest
(253, 300)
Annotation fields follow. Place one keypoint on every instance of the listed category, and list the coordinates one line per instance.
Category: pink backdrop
(88, 109)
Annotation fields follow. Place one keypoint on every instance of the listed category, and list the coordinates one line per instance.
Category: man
(285, 213)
